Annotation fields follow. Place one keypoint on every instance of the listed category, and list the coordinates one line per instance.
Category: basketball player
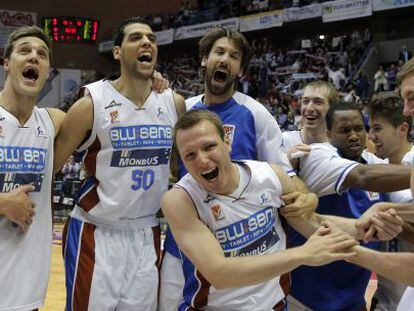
(125, 129)
(27, 134)
(252, 130)
(229, 210)
(313, 288)
(390, 132)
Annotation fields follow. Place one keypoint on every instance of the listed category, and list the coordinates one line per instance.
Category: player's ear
(116, 52)
(204, 61)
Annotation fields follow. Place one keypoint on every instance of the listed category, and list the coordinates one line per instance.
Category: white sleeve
(324, 171)
(269, 141)
(402, 196)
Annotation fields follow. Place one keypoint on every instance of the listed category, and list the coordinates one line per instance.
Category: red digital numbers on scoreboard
(71, 29)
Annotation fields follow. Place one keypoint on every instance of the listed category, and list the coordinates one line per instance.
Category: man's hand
(379, 222)
(296, 152)
(299, 204)
(328, 244)
(159, 83)
(17, 206)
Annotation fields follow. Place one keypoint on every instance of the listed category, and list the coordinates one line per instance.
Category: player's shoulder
(192, 101)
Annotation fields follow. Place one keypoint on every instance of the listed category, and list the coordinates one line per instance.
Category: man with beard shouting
(252, 131)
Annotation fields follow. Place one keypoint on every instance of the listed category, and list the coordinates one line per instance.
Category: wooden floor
(55, 298)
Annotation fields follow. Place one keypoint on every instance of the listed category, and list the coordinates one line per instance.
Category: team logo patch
(217, 212)
(114, 116)
(229, 130)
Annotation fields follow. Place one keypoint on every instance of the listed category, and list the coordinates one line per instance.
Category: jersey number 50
(142, 179)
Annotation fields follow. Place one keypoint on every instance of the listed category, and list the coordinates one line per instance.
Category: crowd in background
(211, 10)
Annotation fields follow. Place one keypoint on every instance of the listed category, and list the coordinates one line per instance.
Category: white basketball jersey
(291, 139)
(323, 170)
(26, 157)
(245, 226)
(388, 292)
(127, 158)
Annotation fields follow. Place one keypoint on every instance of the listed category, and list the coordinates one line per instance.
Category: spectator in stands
(380, 81)
(362, 85)
(337, 76)
(391, 75)
(405, 55)
(70, 172)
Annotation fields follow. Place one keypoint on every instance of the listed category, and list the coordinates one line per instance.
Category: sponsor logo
(41, 132)
(22, 159)
(10, 181)
(264, 199)
(217, 212)
(245, 231)
(114, 115)
(208, 198)
(373, 196)
(140, 157)
(160, 112)
(139, 136)
(112, 104)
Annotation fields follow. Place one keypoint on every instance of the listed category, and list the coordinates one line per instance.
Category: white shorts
(171, 283)
(109, 269)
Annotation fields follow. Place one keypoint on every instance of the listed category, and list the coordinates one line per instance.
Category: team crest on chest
(229, 130)
(114, 115)
(264, 199)
(217, 212)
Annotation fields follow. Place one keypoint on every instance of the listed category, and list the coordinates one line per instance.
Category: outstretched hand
(379, 222)
(328, 244)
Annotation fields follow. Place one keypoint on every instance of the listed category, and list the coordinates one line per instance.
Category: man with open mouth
(27, 136)
(111, 243)
(252, 131)
(226, 218)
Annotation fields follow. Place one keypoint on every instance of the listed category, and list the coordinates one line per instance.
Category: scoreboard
(71, 29)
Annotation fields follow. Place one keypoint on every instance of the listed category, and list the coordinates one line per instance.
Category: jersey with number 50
(127, 158)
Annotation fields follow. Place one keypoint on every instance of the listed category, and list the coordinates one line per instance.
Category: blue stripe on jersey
(85, 187)
(71, 257)
(315, 286)
(192, 284)
(241, 128)
(340, 177)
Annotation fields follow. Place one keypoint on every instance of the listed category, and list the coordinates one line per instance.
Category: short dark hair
(194, 117)
(389, 107)
(207, 41)
(340, 106)
(26, 31)
(119, 34)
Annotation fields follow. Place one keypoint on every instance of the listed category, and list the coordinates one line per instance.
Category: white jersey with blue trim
(248, 122)
(26, 157)
(291, 139)
(323, 170)
(127, 158)
(389, 293)
(246, 226)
